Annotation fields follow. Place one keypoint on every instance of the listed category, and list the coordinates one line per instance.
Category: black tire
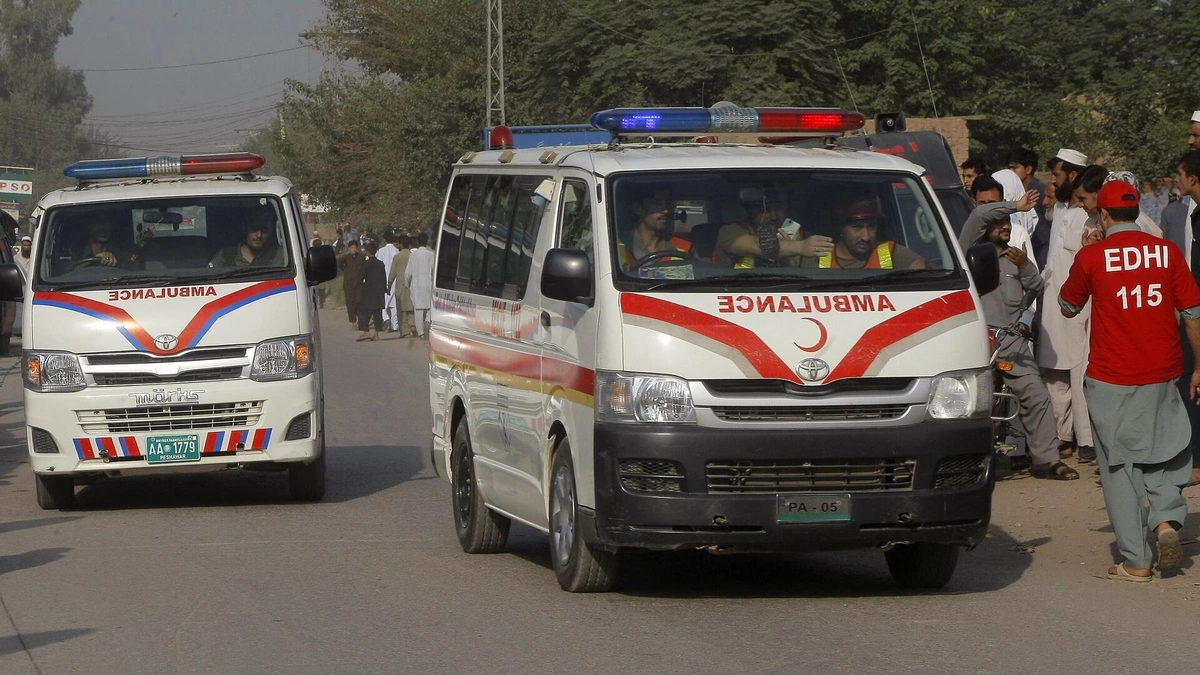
(479, 529)
(306, 482)
(580, 567)
(55, 492)
(922, 565)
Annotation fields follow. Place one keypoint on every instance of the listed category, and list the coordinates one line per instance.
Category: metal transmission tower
(495, 64)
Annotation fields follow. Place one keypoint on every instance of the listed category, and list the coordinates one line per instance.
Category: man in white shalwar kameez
(418, 275)
(385, 256)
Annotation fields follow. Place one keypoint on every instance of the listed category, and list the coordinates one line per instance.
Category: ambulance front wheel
(306, 482)
(923, 564)
(580, 567)
(55, 492)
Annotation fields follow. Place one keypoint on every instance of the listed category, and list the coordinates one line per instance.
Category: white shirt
(1063, 343)
(418, 275)
(385, 256)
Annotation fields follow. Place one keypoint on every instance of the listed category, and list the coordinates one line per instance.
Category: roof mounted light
(183, 165)
(728, 118)
(501, 138)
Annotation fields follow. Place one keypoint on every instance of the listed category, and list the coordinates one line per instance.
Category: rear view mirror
(984, 265)
(567, 275)
(12, 284)
(162, 216)
(320, 265)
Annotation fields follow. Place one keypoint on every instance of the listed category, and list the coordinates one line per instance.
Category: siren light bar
(181, 165)
(727, 118)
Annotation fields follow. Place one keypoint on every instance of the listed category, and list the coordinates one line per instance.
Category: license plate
(163, 449)
(813, 508)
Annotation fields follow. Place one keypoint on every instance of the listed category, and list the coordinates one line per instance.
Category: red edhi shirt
(1136, 283)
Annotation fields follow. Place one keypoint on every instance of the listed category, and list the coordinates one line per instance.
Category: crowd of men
(387, 288)
(1111, 378)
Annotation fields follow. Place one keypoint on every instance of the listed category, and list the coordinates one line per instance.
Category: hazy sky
(192, 109)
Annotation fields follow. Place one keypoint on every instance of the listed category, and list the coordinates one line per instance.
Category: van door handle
(545, 319)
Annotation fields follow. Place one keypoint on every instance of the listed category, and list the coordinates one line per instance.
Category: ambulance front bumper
(765, 489)
(216, 424)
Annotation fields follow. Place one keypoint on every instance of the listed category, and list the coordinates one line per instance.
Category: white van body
(801, 397)
(166, 366)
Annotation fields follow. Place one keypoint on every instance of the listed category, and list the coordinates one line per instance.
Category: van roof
(604, 160)
(165, 188)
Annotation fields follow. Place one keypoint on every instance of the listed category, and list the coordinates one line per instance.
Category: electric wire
(191, 65)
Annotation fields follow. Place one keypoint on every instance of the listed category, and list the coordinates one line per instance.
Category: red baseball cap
(1116, 194)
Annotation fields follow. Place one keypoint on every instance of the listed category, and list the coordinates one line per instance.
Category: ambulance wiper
(247, 272)
(886, 277)
(734, 280)
(138, 279)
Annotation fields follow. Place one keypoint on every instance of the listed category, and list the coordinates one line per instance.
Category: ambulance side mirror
(567, 276)
(320, 265)
(984, 265)
(12, 285)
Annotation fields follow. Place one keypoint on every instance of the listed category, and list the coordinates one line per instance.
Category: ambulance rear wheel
(922, 565)
(580, 567)
(55, 492)
(479, 529)
(306, 482)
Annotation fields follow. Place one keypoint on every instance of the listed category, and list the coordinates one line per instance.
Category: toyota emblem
(813, 370)
(166, 342)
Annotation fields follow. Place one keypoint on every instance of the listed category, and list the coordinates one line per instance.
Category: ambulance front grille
(810, 413)
(170, 418)
(202, 375)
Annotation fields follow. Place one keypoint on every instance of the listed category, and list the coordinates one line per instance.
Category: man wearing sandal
(1137, 283)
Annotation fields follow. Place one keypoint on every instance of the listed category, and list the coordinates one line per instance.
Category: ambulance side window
(575, 218)
(450, 245)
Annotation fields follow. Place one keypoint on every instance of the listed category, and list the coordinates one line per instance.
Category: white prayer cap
(1072, 156)
(27, 238)
(1196, 116)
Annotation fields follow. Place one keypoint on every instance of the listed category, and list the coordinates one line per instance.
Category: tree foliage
(42, 104)
(376, 137)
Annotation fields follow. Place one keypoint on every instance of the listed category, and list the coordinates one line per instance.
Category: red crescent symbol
(820, 343)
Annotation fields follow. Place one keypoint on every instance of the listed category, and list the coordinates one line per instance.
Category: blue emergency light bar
(181, 165)
(727, 118)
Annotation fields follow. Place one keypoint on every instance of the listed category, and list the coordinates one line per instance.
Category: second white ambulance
(734, 347)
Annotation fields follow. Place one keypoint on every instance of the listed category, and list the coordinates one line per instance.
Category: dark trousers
(1185, 384)
(365, 316)
(352, 304)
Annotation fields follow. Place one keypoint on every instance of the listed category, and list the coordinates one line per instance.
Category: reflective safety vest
(881, 258)
(625, 251)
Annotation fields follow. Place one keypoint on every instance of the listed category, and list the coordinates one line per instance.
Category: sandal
(1194, 480)
(1170, 552)
(1054, 471)
(1119, 573)
(1087, 454)
(1066, 449)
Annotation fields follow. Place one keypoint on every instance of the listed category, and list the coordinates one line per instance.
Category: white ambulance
(170, 326)
(723, 346)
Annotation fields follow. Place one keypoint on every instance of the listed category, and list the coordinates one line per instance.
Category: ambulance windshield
(811, 228)
(163, 241)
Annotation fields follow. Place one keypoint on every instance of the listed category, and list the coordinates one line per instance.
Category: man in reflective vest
(767, 238)
(655, 231)
(858, 245)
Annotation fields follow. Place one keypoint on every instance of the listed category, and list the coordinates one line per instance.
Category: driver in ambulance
(100, 248)
(655, 231)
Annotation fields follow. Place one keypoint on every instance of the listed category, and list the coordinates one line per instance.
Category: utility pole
(495, 61)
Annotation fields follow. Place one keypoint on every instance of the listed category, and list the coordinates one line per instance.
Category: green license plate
(163, 449)
(812, 509)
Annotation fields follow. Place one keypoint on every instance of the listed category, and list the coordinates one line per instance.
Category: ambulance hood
(806, 338)
(165, 320)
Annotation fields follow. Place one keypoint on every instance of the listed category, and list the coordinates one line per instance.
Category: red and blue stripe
(189, 337)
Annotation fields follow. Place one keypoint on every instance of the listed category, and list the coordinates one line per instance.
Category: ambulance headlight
(623, 397)
(52, 371)
(285, 359)
(965, 394)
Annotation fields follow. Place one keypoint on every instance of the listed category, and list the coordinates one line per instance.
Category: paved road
(222, 574)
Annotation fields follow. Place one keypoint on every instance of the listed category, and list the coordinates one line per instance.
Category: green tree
(42, 104)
